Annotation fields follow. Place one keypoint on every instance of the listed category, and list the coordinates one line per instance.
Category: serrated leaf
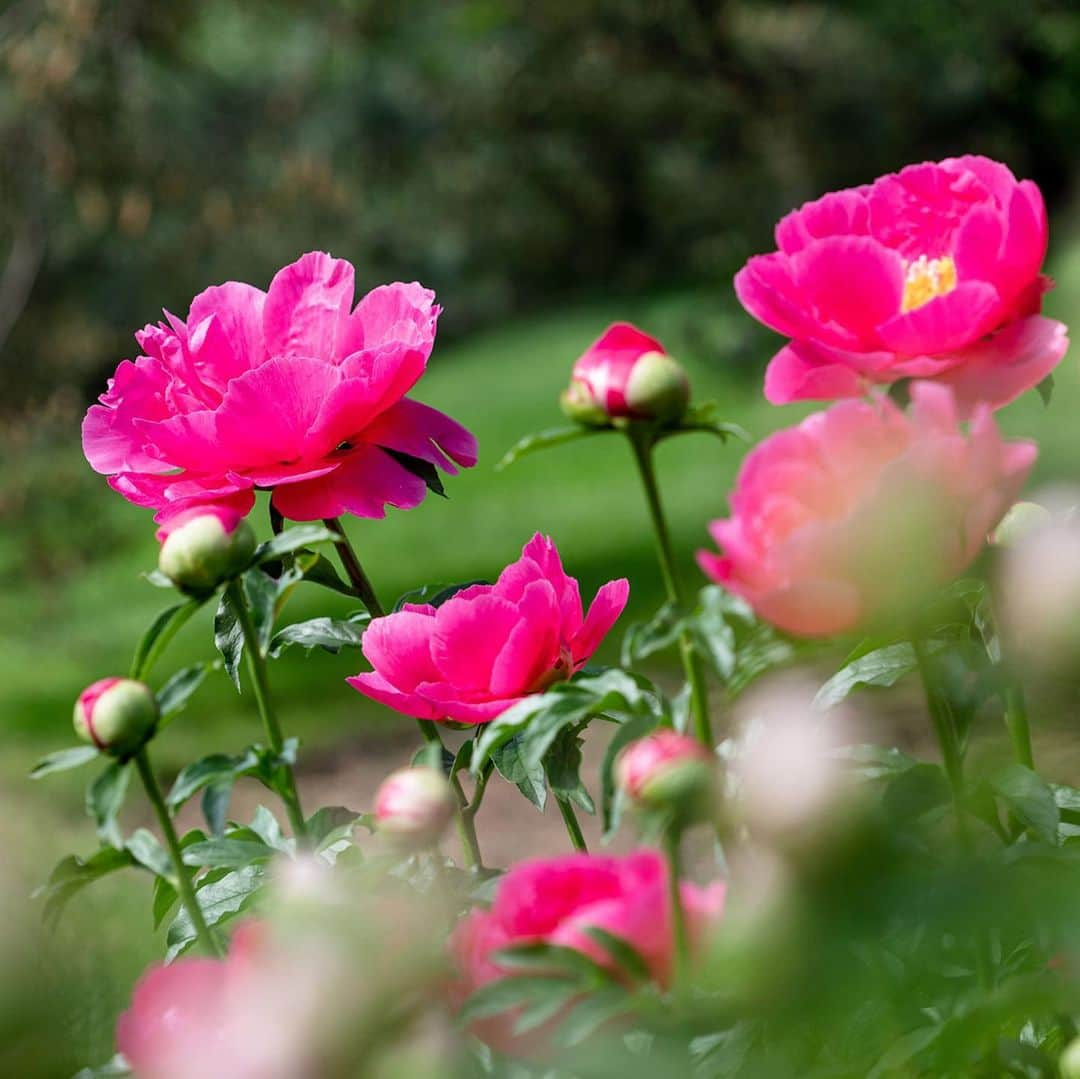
(229, 638)
(177, 691)
(329, 634)
(293, 539)
(104, 799)
(63, 759)
(1030, 798)
(161, 631)
(543, 440)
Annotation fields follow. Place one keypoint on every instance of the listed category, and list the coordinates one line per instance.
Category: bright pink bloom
(655, 757)
(627, 374)
(845, 515)
(290, 389)
(556, 900)
(932, 272)
(489, 645)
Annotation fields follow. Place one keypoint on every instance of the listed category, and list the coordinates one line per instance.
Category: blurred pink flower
(645, 765)
(932, 272)
(850, 513)
(556, 900)
(489, 645)
(290, 389)
(414, 805)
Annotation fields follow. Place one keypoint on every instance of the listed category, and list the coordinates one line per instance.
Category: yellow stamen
(926, 280)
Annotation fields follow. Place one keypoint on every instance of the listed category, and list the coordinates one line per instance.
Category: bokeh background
(546, 167)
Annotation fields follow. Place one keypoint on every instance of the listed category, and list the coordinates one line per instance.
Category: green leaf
(262, 592)
(227, 852)
(229, 638)
(1046, 390)
(510, 764)
(177, 691)
(63, 759)
(1030, 798)
(215, 805)
(703, 417)
(591, 1014)
(116, 1068)
(164, 899)
(201, 773)
(881, 667)
(645, 639)
(550, 960)
(144, 847)
(503, 994)
(265, 825)
(330, 634)
(330, 823)
(875, 762)
(72, 874)
(221, 894)
(104, 799)
(538, 1012)
(562, 763)
(543, 440)
(916, 791)
(321, 571)
(159, 634)
(420, 468)
(293, 539)
(628, 732)
(626, 956)
(434, 595)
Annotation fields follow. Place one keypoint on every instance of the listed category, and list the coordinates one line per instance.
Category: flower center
(927, 279)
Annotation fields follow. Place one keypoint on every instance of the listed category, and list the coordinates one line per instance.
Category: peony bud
(118, 715)
(413, 806)
(204, 546)
(1024, 519)
(626, 374)
(1069, 1062)
(667, 770)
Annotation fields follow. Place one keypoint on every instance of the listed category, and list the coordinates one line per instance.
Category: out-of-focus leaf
(208, 770)
(72, 874)
(881, 667)
(144, 847)
(227, 852)
(161, 631)
(221, 894)
(592, 1013)
(63, 759)
(104, 799)
(1030, 798)
(916, 791)
(177, 691)
(543, 440)
(704, 416)
(630, 731)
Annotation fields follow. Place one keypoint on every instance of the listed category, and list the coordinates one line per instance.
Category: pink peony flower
(852, 512)
(290, 390)
(489, 645)
(626, 374)
(556, 900)
(664, 768)
(247, 1016)
(932, 272)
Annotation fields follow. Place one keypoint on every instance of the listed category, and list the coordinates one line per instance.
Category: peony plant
(933, 925)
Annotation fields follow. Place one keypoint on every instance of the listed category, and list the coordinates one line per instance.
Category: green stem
(256, 664)
(678, 915)
(184, 886)
(1016, 719)
(573, 828)
(360, 581)
(642, 445)
(466, 810)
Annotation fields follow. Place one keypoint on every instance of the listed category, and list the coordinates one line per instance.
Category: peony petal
(1000, 368)
(532, 649)
(365, 482)
(840, 213)
(306, 312)
(462, 708)
(766, 288)
(946, 323)
(468, 636)
(398, 646)
(424, 432)
(397, 314)
(236, 344)
(603, 614)
(800, 372)
(811, 608)
(540, 560)
(376, 687)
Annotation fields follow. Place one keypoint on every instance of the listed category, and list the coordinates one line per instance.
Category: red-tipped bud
(413, 806)
(204, 546)
(626, 374)
(116, 714)
(667, 771)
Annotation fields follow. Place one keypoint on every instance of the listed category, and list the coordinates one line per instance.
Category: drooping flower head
(489, 645)
(932, 272)
(291, 389)
(557, 900)
(862, 508)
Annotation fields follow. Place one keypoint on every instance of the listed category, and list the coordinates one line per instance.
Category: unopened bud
(205, 546)
(413, 806)
(668, 771)
(626, 374)
(1020, 522)
(117, 715)
(1069, 1063)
